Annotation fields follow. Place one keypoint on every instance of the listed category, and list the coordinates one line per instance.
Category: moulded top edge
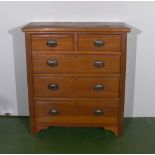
(76, 26)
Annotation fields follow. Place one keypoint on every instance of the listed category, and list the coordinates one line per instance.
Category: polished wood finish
(89, 64)
(111, 27)
(122, 85)
(64, 42)
(111, 42)
(65, 64)
(76, 74)
(76, 87)
(76, 64)
(76, 112)
(30, 82)
(75, 108)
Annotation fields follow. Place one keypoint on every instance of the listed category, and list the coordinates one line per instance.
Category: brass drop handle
(52, 63)
(98, 112)
(53, 86)
(99, 87)
(52, 43)
(99, 43)
(54, 112)
(99, 64)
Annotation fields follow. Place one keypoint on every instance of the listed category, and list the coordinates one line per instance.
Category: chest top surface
(77, 26)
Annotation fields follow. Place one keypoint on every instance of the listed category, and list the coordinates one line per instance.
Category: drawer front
(99, 42)
(98, 64)
(53, 63)
(76, 87)
(52, 42)
(76, 64)
(74, 112)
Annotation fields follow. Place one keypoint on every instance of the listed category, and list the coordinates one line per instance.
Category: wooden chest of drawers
(76, 74)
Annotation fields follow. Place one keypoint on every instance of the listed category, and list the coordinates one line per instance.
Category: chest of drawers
(76, 74)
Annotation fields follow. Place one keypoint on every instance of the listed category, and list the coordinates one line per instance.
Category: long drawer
(84, 64)
(74, 112)
(76, 87)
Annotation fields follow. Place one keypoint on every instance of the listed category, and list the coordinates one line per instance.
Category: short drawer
(74, 112)
(83, 64)
(52, 42)
(99, 42)
(76, 87)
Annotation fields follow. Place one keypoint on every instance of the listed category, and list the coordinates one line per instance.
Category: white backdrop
(140, 81)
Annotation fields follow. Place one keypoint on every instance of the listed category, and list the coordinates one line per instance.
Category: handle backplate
(54, 112)
(52, 63)
(52, 43)
(98, 87)
(99, 43)
(99, 64)
(98, 112)
(53, 86)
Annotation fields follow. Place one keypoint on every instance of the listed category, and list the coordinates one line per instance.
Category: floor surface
(139, 137)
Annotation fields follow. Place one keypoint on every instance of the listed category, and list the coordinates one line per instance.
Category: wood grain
(64, 42)
(30, 83)
(111, 42)
(72, 112)
(122, 86)
(110, 27)
(76, 87)
(76, 74)
(81, 64)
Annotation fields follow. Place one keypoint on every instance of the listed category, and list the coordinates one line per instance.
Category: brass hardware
(54, 112)
(99, 64)
(99, 43)
(52, 43)
(98, 112)
(53, 86)
(52, 63)
(98, 87)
